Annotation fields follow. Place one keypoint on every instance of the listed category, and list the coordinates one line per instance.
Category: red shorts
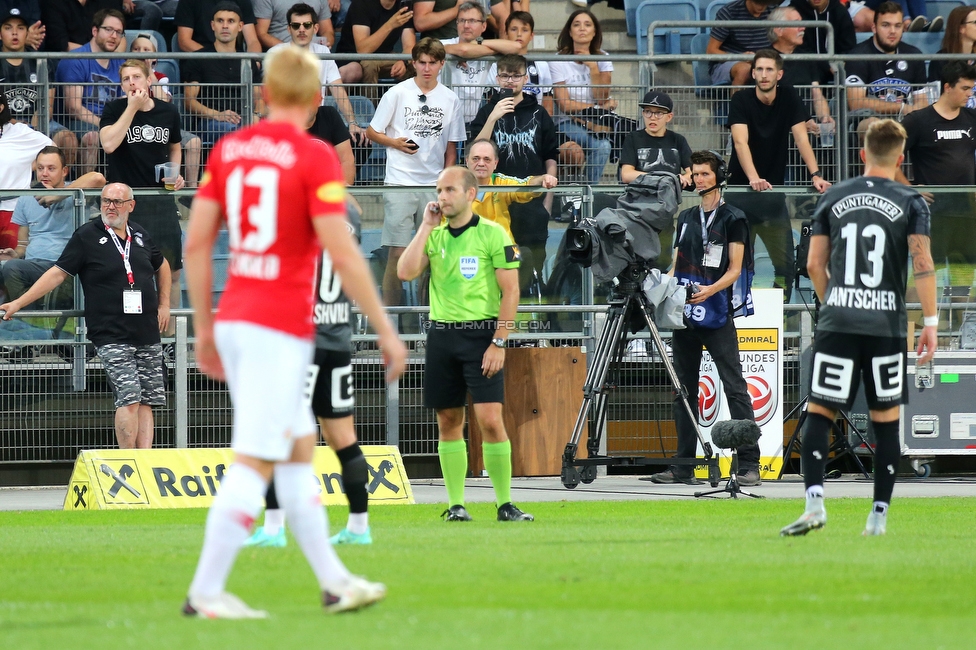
(8, 231)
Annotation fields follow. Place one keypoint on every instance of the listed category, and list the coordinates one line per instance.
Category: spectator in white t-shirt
(469, 79)
(420, 122)
(582, 86)
(302, 27)
(19, 145)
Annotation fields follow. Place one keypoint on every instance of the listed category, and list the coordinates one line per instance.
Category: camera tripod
(839, 444)
(625, 300)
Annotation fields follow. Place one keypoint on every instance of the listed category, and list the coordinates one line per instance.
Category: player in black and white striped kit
(863, 232)
(330, 392)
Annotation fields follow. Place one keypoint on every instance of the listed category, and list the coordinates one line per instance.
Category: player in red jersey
(281, 195)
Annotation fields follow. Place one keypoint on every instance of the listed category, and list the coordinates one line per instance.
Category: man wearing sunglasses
(276, 21)
(303, 25)
(119, 267)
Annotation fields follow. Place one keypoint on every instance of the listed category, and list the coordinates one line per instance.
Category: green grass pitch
(648, 574)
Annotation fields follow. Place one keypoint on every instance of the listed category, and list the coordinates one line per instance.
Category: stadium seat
(703, 82)
(700, 68)
(630, 12)
(712, 10)
(669, 40)
(170, 68)
(942, 8)
(927, 42)
(130, 35)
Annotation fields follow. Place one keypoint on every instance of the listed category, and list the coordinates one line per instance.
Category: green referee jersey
(463, 286)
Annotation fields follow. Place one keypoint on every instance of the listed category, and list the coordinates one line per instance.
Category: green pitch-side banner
(190, 478)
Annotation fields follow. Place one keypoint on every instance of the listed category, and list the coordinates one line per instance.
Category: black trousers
(723, 345)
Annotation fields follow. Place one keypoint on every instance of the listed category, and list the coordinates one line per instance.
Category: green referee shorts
(453, 365)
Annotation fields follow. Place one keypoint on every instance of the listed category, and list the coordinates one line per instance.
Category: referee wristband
(930, 321)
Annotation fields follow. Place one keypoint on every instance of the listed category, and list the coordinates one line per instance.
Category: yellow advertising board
(189, 478)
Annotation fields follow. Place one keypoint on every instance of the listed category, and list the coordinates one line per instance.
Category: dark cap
(226, 5)
(657, 99)
(13, 9)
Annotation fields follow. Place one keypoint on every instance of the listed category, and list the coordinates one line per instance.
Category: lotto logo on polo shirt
(469, 267)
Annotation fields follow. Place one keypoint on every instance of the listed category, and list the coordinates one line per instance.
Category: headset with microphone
(721, 175)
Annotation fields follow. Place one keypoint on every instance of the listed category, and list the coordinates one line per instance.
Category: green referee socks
(498, 462)
(453, 455)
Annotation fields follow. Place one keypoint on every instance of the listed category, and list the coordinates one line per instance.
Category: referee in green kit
(474, 294)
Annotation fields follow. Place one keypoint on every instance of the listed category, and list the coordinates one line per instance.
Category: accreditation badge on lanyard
(712, 258)
(131, 297)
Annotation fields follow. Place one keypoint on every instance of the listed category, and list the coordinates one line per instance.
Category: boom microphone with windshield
(731, 434)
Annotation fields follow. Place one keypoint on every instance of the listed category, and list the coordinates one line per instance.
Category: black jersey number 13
(875, 256)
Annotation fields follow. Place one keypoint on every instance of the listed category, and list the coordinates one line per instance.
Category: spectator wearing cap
(21, 86)
(655, 148)
(30, 12)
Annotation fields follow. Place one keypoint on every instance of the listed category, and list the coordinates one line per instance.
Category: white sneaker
(877, 523)
(810, 520)
(581, 3)
(226, 605)
(358, 593)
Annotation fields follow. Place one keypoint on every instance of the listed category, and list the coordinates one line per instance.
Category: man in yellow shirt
(482, 160)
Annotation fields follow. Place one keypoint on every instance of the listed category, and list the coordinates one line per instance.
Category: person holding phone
(473, 298)
(376, 27)
(419, 122)
(527, 146)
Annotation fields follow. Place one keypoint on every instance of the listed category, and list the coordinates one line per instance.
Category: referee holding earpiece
(474, 294)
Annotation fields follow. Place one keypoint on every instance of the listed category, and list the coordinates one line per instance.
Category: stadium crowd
(408, 120)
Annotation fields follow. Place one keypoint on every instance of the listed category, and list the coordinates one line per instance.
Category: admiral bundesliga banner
(761, 355)
(190, 478)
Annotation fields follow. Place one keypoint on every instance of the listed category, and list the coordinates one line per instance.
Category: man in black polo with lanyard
(118, 263)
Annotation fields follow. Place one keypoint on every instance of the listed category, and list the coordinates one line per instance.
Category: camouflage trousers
(135, 373)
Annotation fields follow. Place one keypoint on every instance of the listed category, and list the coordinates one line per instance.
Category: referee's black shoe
(456, 513)
(509, 512)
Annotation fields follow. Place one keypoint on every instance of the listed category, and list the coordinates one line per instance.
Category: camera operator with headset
(714, 260)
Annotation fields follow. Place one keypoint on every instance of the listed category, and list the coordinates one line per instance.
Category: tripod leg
(841, 445)
(596, 376)
(795, 440)
(669, 367)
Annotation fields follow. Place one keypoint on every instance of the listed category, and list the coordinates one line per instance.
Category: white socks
(358, 522)
(237, 504)
(274, 520)
(815, 497)
(298, 496)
